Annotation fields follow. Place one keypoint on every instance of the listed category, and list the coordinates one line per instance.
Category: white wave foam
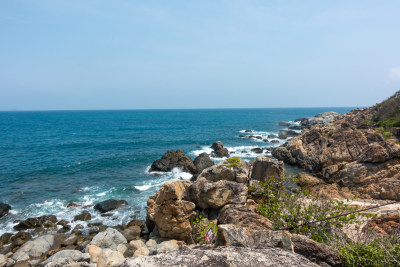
(203, 149)
(178, 173)
(101, 194)
(143, 187)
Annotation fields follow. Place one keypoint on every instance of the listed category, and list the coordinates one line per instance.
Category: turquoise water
(50, 158)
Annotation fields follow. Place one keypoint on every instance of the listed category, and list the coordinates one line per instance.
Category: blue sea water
(50, 158)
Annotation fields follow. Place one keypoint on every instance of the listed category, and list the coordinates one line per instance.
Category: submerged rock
(4, 208)
(219, 151)
(173, 159)
(284, 123)
(110, 204)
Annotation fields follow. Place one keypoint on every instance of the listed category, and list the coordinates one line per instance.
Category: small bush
(234, 162)
(202, 225)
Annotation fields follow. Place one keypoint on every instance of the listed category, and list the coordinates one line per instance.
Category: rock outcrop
(342, 153)
(243, 216)
(45, 221)
(222, 171)
(219, 151)
(202, 162)
(4, 208)
(265, 167)
(222, 256)
(173, 159)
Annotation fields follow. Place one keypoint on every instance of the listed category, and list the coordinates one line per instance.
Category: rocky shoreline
(345, 156)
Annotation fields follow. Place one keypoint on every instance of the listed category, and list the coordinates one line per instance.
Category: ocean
(51, 158)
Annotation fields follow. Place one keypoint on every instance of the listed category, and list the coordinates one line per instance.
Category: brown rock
(243, 216)
(219, 151)
(221, 171)
(266, 167)
(384, 225)
(173, 159)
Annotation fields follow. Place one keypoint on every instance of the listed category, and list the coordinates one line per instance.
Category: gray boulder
(222, 256)
(243, 216)
(110, 238)
(74, 255)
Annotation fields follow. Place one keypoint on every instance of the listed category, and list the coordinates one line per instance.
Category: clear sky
(80, 54)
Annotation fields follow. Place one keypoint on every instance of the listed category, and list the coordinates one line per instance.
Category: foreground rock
(173, 159)
(221, 171)
(265, 167)
(110, 204)
(219, 151)
(110, 238)
(4, 208)
(223, 256)
(202, 162)
(243, 216)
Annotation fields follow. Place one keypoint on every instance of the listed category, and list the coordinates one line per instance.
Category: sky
(82, 54)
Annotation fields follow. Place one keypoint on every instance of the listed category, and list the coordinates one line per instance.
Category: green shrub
(366, 122)
(234, 162)
(202, 225)
(298, 212)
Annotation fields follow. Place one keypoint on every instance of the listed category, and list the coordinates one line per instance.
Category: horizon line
(149, 109)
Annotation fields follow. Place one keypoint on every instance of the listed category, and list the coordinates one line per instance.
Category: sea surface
(51, 158)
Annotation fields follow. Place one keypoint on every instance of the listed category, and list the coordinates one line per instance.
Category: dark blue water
(48, 159)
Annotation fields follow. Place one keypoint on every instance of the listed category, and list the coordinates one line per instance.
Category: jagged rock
(45, 221)
(110, 238)
(219, 151)
(140, 223)
(308, 181)
(384, 225)
(4, 208)
(316, 252)
(202, 162)
(222, 256)
(291, 133)
(73, 255)
(38, 247)
(232, 235)
(173, 159)
(110, 204)
(295, 127)
(221, 171)
(84, 216)
(206, 194)
(170, 213)
(265, 167)
(243, 216)
(284, 123)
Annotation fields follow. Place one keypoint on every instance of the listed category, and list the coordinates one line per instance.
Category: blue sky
(79, 54)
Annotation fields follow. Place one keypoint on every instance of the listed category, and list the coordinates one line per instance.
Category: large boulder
(173, 159)
(232, 235)
(4, 208)
(316, 252)
(265, 167)
(74, 255)
(223, 171)
(44, 221)
(110, 204)
(206, 194)
(169, 213)
(202, 162)
(38, 247)
(243, 216)
(110, 238)
(219, 151)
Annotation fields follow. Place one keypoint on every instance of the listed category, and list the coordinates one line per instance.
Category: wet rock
(206, 194)
(223, 171)
(291, 133)
(219, 151)
(316, 252)
(38, 247)
(173, 159)
(110, 238)
(243, 216)
(271, 136)
(84, 216)
(4, 208)
(5, 239)
(222, 256)
(45, 221)
(248, 131)
(274, 141)
(110, 204)
(284, 123)
(232, 235)
(295, 127)
(202, 162)
(283, 134)
(20, 238)
(265, 167)
(257, 150)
